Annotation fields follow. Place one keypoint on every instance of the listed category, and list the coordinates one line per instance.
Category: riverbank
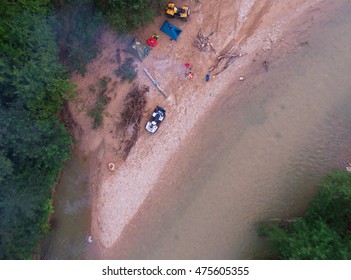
(256, 28)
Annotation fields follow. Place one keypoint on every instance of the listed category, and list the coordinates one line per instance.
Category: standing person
(208, 75)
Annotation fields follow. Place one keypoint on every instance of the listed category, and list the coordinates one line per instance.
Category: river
(258, 155)
(70, 236)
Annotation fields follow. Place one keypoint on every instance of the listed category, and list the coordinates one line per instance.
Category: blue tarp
(171, 30)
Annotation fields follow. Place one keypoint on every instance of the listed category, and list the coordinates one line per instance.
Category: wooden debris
(228, 58)
(203, 42)
(130, 118)
(155, 83)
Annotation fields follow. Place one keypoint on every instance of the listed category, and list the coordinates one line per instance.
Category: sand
(254, 27)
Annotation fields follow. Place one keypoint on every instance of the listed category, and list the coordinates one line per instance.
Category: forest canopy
(33, 143)
(127, 15)
(324, 232)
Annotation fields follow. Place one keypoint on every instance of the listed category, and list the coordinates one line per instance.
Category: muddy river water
(258, 155)
(70, 236)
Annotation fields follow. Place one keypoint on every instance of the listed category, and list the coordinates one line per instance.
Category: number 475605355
(221, 270)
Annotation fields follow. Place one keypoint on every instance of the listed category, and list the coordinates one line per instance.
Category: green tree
(6, 168)
(31, 75)
(78, 26)
(325, 230)
(333, 203)
(33, 143)
(307, 241)
(127, 15)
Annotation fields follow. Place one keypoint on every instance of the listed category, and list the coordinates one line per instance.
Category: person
(155, 36)
(208, 75)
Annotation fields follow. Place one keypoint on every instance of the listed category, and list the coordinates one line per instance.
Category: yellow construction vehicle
(181, 13)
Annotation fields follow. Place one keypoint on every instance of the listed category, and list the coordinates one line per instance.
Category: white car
(157, 117)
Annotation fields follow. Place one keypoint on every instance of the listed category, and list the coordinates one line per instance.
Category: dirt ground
(250, 27)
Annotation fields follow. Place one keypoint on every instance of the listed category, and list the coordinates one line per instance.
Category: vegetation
(33, 143)
(126, 15)
(127, 71)
(78, 26)
(325, 230)
(96, 112)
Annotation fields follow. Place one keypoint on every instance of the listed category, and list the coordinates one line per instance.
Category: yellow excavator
(182, 13)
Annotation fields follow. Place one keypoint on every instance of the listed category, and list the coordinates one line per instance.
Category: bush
(96, 112)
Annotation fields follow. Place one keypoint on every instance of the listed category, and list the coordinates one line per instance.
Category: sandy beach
(248, 27)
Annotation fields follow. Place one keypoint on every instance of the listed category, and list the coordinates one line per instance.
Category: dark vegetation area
(33, 143)
(78, 26)
(324, 232)
(127, 15)
(36, 39)
(96, 112)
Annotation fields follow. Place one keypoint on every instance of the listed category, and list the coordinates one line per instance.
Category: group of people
(188, 73)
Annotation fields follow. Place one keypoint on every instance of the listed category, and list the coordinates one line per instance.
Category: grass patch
(97, 111)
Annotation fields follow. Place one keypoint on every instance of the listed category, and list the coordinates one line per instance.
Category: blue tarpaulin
(171, 30)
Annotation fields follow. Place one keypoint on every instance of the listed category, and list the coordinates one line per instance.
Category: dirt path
(248, 26)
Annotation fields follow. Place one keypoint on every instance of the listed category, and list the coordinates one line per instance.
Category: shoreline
(119, 198)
